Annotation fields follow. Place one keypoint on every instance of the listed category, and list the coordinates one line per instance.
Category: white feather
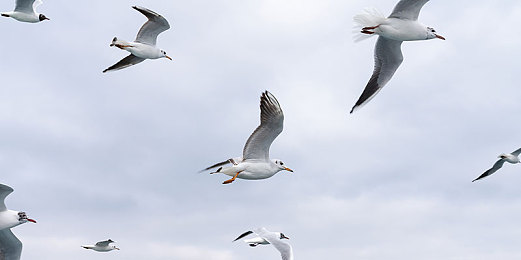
(370, 17)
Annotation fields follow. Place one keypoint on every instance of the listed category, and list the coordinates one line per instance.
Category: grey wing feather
(387, 58)
(408, 9)
(125, 62)
(4, 191)
(272, 120)
(10, 245)
(273, 238)
(516, 152)
(494, 168)
(155, 25)
(25, 6)
(243, 235)
(104, 243)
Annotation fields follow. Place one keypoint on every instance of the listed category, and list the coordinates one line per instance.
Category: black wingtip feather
(243, 235)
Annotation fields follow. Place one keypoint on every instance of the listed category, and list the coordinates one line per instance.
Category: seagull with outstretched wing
(265, 237)
(512, 158)
(10, 245)
(144, 47)
(25, 11)
(401, 25)
(102, 246)
(255, 163)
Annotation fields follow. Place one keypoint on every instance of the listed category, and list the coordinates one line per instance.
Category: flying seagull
(10, 246)
(144, 47)
(102, 246)
(24, 11)
(255, 163)
(504, 157)
(265, 237)
(401, 25)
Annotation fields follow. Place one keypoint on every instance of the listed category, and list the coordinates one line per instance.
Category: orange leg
(232, 179)
(122, 46)
(370, 28)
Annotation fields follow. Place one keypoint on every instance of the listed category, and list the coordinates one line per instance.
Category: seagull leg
(370, 28)
(366, 30)
(232, 179)
(122, 46)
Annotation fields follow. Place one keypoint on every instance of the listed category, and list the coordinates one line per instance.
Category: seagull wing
(387, 58)
(494, 168)
(408, 9)
(516, 152)
(10, 246)
(274, 238)
(125, 62)
(104, 243)
(243, 235)
(24, 6)
(155, 25)
(272, 119)
(4, 191)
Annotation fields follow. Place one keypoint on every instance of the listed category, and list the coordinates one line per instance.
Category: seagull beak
(288, 169)
(168, 57)
(47, 18)
(116, 248)
(439, 37)
(285, 237)
(31, 220)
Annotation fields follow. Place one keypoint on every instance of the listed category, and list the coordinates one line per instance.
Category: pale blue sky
(93, 156)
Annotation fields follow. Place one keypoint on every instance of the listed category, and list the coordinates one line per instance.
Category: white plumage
(255, 163)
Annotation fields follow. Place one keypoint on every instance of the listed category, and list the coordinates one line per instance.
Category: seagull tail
(5, 15)
(369, 18)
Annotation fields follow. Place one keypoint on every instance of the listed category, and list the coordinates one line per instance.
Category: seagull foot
(122, 46)
(370, 28)
(228, 181)
(232, 179)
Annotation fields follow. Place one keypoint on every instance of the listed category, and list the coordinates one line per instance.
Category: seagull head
(164, 55)
(431, 34)
(282, 236)
(42, 17)
(22, 217)
(502, 156)
(281, 165)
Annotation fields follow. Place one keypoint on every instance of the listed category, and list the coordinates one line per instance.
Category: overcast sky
(93, 156)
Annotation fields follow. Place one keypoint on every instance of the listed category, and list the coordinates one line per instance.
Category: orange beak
(288, 169)
(439, 37)
(168, 57)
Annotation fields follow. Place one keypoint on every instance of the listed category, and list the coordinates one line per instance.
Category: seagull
(255, 163)
(512, 158)
(144, 47)
(265, 237)
(10, 246)
(24, 11)
(102, 246)
(401, 25)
